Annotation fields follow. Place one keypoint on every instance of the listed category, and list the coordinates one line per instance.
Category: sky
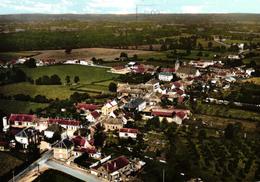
(128, 6)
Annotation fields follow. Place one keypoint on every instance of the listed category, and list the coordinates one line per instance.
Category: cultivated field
(87, 53)
(83, 53)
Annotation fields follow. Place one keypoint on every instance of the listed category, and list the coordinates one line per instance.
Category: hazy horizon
(121, 7)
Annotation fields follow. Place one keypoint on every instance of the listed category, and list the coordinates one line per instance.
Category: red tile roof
(181, 114)
(79, 141)
(139, 70)
(129, 130)
(64, 122)
(169, 70)
(22, 118)
(180, 92)
(162, 113)
(116, 164)
(177, 84)
(95, 114)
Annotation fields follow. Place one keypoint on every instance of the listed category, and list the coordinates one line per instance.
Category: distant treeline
(170, 18)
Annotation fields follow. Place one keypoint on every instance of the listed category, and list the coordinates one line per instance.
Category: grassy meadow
(88, 78)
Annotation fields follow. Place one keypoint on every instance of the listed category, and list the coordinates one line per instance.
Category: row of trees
(68, 80)
(23, 97)
(54, 80)
(134, 78)
(46, 80)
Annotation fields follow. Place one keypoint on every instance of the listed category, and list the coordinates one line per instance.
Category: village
(164, 98)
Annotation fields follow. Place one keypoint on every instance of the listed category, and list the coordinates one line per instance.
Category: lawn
(50, 91)
(56, 176)
(13, 106)
(87, 74)
(92, 80)
(8, 162)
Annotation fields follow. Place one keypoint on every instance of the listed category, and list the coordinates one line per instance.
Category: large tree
(76, 79)
(112, 87)
(67, 79)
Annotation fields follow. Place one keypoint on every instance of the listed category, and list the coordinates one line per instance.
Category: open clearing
(93, 80)
(87, 74)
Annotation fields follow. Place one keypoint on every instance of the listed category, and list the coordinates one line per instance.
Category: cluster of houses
(48, 62)
(144, 99)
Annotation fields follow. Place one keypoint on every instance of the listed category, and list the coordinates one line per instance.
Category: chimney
(114, 164)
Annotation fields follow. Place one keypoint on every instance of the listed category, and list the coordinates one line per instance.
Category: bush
(41, 99)
(22, 97)
(30, 63)
(79, 97)
(112, 87)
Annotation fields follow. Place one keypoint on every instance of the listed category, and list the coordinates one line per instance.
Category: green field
(86, 74)
(93, 80)
(13, 106)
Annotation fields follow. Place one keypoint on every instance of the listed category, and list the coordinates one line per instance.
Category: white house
(21, 60)
(128, 133)
(233, 57)
(93, 116)
(109, 107)
(165, 76)
(27, 136)
(249, 71)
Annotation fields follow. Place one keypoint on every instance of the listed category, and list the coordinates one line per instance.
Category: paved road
(34, 165)
(226, 102)
(222, 43)
(73, 172)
